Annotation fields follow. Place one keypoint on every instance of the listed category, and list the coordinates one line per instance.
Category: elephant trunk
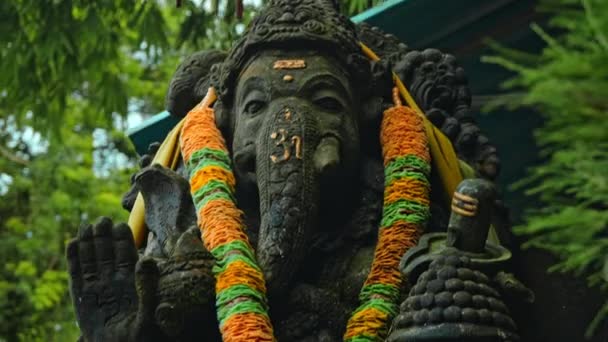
(289, 192)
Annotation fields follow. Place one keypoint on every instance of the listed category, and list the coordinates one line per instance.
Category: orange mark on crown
(289, 64)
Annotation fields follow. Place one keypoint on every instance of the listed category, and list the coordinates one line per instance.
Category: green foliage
(568, 83)
(53, 189)
(60, 49)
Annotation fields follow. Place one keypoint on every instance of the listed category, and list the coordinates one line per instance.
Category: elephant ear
(190, 81)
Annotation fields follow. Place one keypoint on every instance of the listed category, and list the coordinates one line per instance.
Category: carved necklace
(241, 302)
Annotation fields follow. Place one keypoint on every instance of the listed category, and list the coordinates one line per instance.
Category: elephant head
(296, 104)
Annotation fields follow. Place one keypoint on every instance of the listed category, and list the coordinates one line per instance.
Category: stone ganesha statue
(335, 174)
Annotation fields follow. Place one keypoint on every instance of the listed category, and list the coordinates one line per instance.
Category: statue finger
(104, 246)
(86, 253)
(125, 253)
(74, 271)
(146, 281)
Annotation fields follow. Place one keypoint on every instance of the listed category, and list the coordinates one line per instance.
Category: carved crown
(309, 24)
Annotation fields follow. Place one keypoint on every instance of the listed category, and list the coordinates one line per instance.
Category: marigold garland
(406, 210)
(240, 288)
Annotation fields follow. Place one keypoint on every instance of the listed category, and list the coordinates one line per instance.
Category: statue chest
(322, 297)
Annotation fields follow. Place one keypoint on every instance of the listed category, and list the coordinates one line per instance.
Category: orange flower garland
(240, 287)
(406, 211)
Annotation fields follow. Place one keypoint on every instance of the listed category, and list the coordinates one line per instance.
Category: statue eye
(254, 106)
(329, 103)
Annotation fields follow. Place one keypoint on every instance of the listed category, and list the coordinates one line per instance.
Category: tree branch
(6, 153)
(595, 26)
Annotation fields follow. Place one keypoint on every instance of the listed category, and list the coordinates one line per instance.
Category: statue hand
(186, 291)
(113, 293)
